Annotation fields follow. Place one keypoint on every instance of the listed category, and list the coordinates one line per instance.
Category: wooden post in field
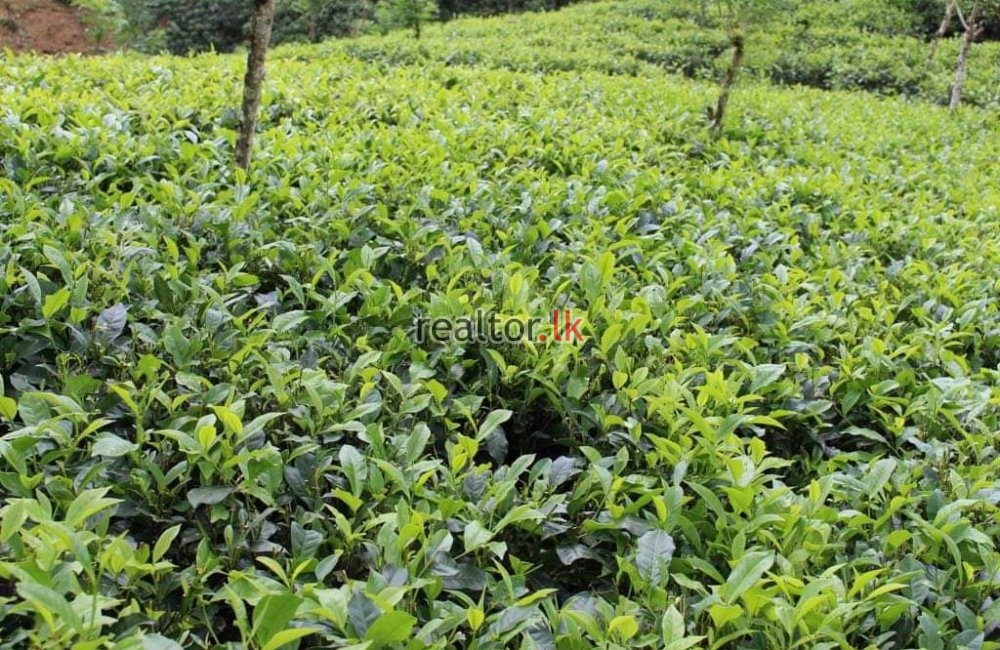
(260, 37)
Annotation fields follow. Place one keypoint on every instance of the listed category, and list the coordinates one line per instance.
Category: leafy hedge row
(217, 430)
(631, 37)
(199, 25)
(194, 25)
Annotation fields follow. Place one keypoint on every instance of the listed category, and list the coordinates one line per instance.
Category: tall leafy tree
(260, 37)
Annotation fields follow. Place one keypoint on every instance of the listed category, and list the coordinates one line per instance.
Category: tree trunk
(949, 12)
(972, 31)
(313, 31)
(719, 114)
(260, 36)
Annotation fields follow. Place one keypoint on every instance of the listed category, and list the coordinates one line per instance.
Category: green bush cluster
(217, 430)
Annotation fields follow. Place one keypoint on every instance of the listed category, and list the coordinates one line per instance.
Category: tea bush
(217, 429)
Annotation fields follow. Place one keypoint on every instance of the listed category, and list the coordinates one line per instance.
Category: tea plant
(218, 431)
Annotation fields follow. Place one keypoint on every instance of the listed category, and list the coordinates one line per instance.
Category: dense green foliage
(197, 25)
(216, 428)
(194, 25)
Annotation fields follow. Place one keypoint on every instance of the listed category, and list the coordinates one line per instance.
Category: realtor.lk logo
(491, 327)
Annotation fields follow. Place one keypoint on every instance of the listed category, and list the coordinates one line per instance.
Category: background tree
(119, 23)
(406, 14)
(260, 37)
(104, 20)
(311, 10)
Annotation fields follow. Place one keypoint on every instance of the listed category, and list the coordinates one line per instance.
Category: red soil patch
(43, 26)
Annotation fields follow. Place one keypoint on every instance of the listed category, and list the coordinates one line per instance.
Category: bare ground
(43, 26)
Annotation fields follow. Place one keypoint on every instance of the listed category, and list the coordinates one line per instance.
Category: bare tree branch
(949, 12)
(972, 31)
(719, 114)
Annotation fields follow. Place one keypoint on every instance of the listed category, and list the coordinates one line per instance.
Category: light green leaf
(229, 419)
(391, 627)
(289, 320)
(722, 614)
(880, 474)
(48, 602)
(54, 302)
(285, 637)
(8, 407)
(476, 536)
(111, 446)
(164, 542)
(623, 627)
(208, 496)
(656, 548)
(746, 573)
(492, 421)
(272, 615)
(158, 642)
(87, 504)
